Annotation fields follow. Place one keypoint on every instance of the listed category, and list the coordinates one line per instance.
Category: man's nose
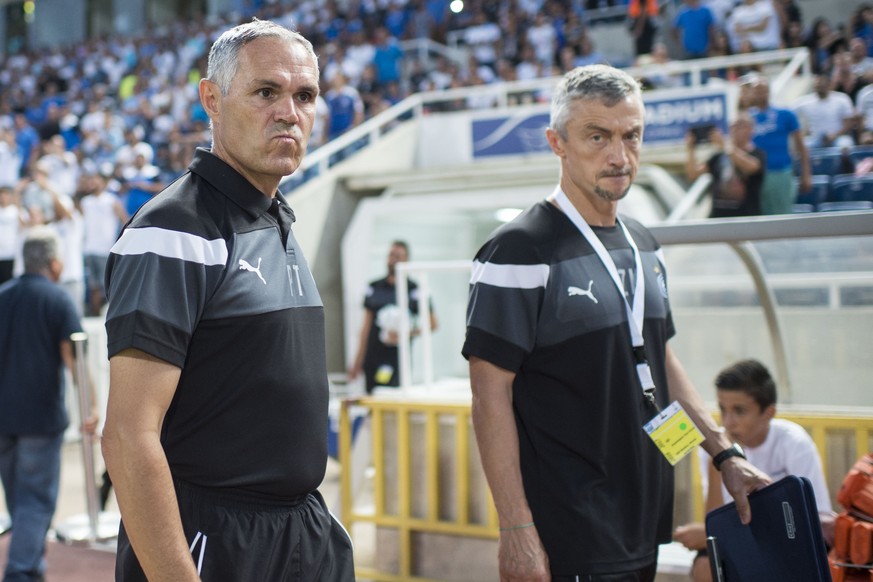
(286, 111)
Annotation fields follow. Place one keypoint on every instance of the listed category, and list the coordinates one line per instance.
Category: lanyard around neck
(636, 312)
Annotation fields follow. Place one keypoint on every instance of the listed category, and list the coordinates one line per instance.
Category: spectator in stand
(864, 108)
(482, 38)
(359, 50)
(777, 131)
(320, 125)
(345, 104)
(28, 141)
(844, 79)
(529, 68)
(103, 215)
(822, 41)
(587, 54)
(40, 197)
(387, 57)
(793, 36)
(140, 182)
(60, 164)
(737, 169)
(788, 12)
(656, 75)
(720, 10)
(71, 231)
(861, 26)
(544, 39)
(694, 23)
(720, 46)
(755, 21)
(134, 145)
(12, 223)
(642, 21)
(10, 158)
(828, 117)
(862, 65)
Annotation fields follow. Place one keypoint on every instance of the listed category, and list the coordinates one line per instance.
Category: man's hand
(521, 556)
(691, 535)
(740, 478)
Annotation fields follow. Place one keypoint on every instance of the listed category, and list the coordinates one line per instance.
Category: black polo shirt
(543, 306)
(202, 279)
(36, 315)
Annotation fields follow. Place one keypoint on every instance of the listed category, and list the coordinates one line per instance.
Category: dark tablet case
(783, 542)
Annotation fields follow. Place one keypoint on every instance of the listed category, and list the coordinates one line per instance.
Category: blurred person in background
(737, 169)
(37, 319)
(103, 215)
(377, 357)
(779, 134)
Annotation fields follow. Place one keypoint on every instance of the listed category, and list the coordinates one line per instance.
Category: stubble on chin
(610, 196)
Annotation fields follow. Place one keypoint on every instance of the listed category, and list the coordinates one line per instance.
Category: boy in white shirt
(746, 396)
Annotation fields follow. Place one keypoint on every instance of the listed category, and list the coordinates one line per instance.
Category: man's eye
(305, 97)
(266, 93)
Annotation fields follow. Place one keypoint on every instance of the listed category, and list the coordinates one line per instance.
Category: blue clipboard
(783, 541)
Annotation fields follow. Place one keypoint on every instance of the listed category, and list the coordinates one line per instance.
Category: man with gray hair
(567, 329)
(216, 428)
(37, 318)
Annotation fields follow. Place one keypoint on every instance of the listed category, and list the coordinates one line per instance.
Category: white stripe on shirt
(510, 276)
(171, 244)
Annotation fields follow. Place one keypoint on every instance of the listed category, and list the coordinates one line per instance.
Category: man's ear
(210, 98)
(555, 142)
(770, 412)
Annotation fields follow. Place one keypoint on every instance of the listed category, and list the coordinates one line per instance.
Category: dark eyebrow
(307, 87)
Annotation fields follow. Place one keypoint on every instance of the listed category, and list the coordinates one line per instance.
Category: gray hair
(600, 82)
(223, 60)
(41, 246)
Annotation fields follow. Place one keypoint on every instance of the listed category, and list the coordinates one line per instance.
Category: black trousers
(646, 574)
(236, 540)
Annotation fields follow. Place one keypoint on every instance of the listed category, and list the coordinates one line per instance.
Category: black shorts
(235, 539)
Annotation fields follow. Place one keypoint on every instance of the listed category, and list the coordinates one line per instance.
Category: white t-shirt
(864, 100)
(787, 450)
(9, 230)
(752, 15)
(101, 223)
(72, 233)
(823, 116)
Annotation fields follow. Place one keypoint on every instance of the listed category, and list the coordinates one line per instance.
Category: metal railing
(428, 482)
(318, 162)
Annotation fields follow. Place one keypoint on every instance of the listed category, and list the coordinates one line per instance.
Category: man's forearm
(683, 390)
(149, 508)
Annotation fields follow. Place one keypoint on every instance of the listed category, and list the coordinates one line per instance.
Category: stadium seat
(851, 188)
(817, 194)
(858, 153)
(826, 161)
(845, 205)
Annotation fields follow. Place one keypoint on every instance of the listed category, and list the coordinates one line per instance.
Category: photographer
(737, 168)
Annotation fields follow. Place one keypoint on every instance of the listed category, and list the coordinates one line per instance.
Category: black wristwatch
(734, 450)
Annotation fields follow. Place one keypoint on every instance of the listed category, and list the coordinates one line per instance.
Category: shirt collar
(232, 184)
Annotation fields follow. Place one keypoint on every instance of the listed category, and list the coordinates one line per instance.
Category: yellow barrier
(429, 491)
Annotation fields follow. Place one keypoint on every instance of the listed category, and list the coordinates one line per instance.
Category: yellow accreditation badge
(674, 433)
(384, 373)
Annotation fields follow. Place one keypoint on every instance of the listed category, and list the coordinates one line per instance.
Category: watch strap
(732, 451)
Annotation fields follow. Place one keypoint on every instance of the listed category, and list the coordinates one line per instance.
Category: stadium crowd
(90, 132)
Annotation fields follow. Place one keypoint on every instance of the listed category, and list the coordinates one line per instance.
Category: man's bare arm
(521, 554)
(141, 389)
(740, 477)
